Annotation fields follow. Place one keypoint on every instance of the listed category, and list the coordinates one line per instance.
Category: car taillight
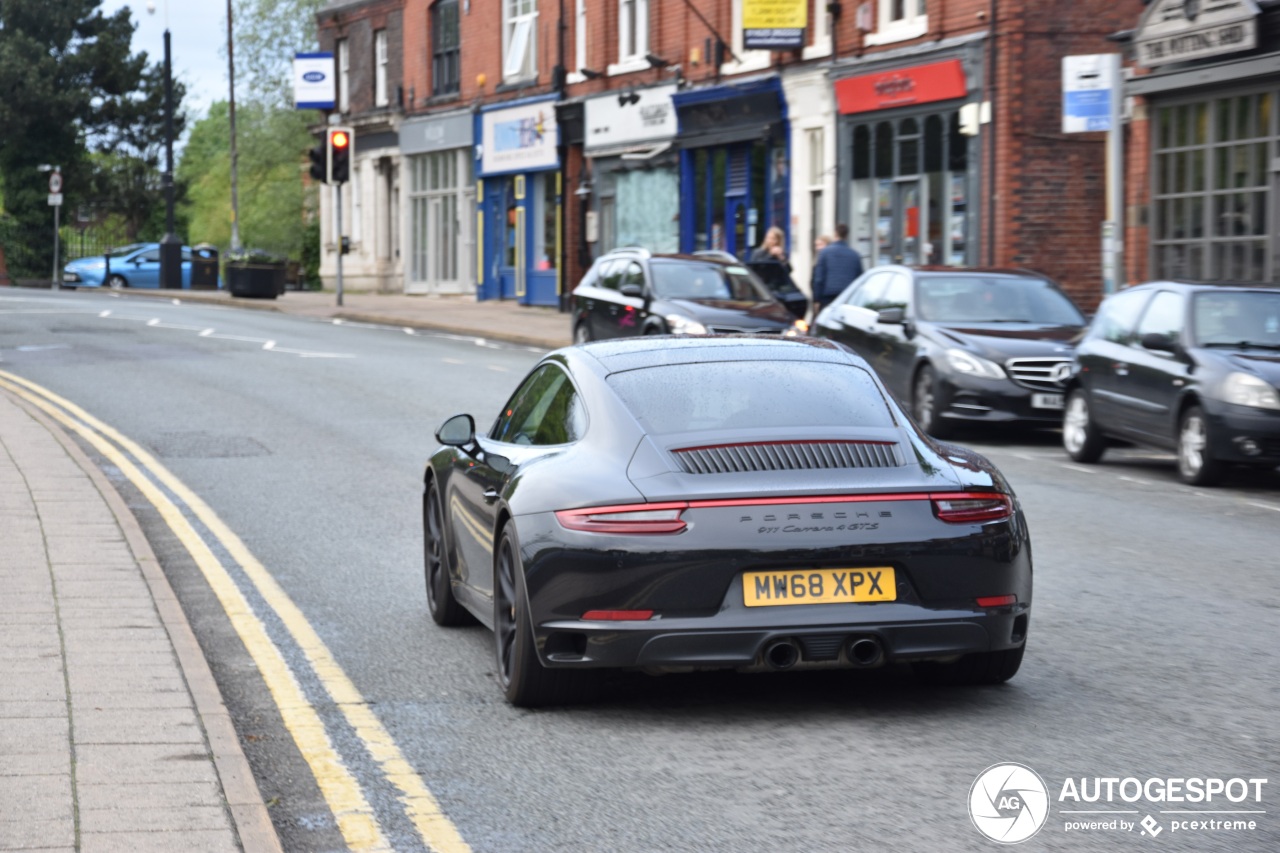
(617, 615)
(631, 519)
(972, 508)
(997, 600)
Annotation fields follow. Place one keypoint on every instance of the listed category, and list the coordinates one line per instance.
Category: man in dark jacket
(837, 266)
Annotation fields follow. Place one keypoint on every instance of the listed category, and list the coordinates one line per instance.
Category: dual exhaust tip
(861, 651)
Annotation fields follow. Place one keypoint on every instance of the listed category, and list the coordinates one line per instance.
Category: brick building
(533, 135)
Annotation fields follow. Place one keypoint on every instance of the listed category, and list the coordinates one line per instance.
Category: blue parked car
(137, 265)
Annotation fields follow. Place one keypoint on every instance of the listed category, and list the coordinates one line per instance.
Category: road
(296, 450)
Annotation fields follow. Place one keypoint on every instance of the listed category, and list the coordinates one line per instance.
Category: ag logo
(1008, 803)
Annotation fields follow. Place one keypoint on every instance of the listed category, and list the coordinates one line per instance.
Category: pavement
(113, 734)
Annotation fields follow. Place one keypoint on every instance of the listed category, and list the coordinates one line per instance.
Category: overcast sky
(197, 30)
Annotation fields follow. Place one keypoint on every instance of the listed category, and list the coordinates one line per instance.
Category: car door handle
(490, 495)
(1120, 368)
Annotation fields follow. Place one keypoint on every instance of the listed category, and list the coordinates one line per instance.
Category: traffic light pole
(338, 208)
(57, 279)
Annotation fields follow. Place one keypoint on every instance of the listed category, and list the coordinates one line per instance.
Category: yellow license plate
(819, 586)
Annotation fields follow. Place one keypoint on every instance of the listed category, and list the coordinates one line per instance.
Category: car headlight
(682, 325)
(799, 327)
(1245, 389)
(973, 365)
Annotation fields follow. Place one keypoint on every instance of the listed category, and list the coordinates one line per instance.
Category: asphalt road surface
(1153, 650)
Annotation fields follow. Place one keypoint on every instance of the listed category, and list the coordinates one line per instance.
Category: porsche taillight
(633, 519)
(973, 508)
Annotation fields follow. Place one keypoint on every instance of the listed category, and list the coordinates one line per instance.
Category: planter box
(255, 281)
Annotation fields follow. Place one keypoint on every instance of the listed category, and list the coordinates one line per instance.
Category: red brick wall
(1137, 190)
(357, 25)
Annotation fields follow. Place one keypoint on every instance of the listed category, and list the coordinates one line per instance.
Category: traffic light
(340, 139)
(319, 163)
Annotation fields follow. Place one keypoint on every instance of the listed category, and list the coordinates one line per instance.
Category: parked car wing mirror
(891, 316)
(457, 431)
(1159, 342)
(634, 291)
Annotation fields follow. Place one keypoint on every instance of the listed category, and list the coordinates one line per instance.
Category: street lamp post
(170, 244)
(55, 190)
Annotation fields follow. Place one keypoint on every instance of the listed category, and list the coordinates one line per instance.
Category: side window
(546, 409)
(611, 275)
(896, 295)
(152, 257)
(1165, 316)
(869, 293)
(634, 274)
(1117, 316)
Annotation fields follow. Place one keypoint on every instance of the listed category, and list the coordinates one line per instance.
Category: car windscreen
(1236, 318)
(686, 279)
(125, 250)
(993, 299)
(730, 395)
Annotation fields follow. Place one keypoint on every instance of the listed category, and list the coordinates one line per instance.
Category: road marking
(497, 368)
(1137, 480)
(269, 345)
(453, 361)
(106, 313)
(156, 324)
(355, 817)
(409, 331)
(1079, 469)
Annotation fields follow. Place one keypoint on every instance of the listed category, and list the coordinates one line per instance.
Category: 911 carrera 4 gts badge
(815, 522)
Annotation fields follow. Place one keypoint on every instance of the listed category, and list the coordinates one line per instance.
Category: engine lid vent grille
(787, 456)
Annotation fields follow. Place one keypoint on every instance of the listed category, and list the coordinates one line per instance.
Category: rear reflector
(997, 600)
(617, 615)
(972, 508)
(631, 519)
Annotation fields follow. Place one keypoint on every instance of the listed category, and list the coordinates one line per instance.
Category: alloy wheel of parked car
(116, 282)
(1080, 436)
(581, 334)
(443, 607)
(924, 405)
(1195, 465)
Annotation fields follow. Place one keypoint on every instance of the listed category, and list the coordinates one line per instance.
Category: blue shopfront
(518, 198)
(734, 165)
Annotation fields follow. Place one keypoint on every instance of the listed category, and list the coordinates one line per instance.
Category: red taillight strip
(784, 444)
(997, 600)
(617, 615)
(581, 519)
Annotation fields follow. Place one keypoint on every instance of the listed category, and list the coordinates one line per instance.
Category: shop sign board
(313, 81)
(1088, 84)
(1181, 30)
(774, 24)
(901, 87)
(637, 116)
(519, 139)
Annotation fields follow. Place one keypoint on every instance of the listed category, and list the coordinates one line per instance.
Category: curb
(248, 812)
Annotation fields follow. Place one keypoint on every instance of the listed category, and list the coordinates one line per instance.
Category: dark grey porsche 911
(720, 502)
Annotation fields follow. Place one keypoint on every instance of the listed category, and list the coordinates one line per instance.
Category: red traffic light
(340, 139)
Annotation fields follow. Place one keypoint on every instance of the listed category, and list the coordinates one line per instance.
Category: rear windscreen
(743, 394)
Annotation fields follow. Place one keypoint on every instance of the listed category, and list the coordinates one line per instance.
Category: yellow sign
(775, 14)
(819, 586)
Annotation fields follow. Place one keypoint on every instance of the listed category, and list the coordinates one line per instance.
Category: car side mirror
(891, 316)
(457, 431)
(847, 315)
(633, 291)
(1158, 342)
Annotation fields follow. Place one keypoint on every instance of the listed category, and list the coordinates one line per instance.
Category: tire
(655, 330)
(524, 680)
(581, 334)
(977, 668)
(1195, 466)
(116, 282)
(924, 406)
(1080, 435)
(443, 607)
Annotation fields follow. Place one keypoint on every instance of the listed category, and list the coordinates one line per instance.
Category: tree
(71, 85)
(268, 33)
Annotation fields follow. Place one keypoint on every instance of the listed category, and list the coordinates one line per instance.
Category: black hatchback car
(1189, 367)
(961, 345)
(630, 292)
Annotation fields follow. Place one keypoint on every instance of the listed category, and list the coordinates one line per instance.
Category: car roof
(1204, 285)
(937, 269)
(615, 356)
(645, 254)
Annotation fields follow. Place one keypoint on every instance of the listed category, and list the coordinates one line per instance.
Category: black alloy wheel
(924, 404)
(443, 607)
(525, 681)
(116, 282)
(1081, 437)
(978, 668)
(1196, 466)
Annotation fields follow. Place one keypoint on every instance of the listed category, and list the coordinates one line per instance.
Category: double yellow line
(355, 817)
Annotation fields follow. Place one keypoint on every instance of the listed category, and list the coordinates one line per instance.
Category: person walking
(838, 264)
(773, 248)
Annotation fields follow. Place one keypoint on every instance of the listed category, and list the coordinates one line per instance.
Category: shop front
(735, 172)
(439, 160)
(633, 172)
(1211, 101)
(518, 195)
(908, 176)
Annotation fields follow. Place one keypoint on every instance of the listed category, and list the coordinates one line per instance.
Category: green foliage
(268, 33)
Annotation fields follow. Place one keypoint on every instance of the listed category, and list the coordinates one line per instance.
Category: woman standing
(772, 249)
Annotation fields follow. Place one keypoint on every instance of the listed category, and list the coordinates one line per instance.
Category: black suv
(1185, 366)
(632, 292)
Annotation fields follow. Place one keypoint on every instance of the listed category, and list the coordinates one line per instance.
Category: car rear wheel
(443, 607)
(924, 405)
(979, 668)
(581, 334)
(1080, 435)
(116, 282)
(525, 681)
(1195, 466)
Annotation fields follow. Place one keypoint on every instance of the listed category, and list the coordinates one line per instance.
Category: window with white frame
(819, 31)
(580, 37)
(344, 75)
(519, 39)
(747, 60)
(380, 68)
(899, 20)
(633, 31)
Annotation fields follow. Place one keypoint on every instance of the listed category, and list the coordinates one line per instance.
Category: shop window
(446, 48)
(544, 237)
(648, 207)
(519, 39)
(899, 20)
(380, 68)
